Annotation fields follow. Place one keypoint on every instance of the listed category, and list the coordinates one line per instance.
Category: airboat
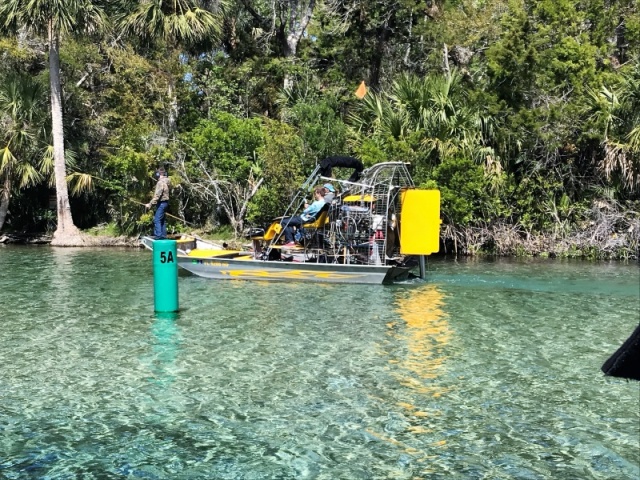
(377, 229)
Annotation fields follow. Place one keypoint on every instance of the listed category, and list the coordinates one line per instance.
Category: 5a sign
(166, 257)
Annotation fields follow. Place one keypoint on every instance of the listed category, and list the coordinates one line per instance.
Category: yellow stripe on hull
(234, 269)
(201, 253)
(288, 275)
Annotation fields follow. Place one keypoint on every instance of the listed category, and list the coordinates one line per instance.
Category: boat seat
(313, 231)
(274, 229)
(322, 218)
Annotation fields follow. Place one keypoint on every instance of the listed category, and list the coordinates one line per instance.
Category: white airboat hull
(219, 268)
(287, 271)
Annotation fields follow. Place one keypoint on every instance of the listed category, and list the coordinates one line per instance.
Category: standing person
(161, 197)
(307, 215)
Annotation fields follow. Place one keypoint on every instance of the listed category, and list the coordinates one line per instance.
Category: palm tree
(53, 19)
(175, 21)
(21, 102)
(616, 112)
(437, 109)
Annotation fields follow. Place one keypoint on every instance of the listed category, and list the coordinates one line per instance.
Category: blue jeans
(159, 220)
(288, 223)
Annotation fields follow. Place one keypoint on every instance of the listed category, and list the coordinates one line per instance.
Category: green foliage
(22, 137)
(535, 201)
(208, 87)
(225, 144)
(545, 51)
(175, 21)
(370, 150)
(282, 168)
(322, 131)
(214, 82)
(224, 232)
(104, 229)
(464, 191)
(14, 54)
(61, 16)
(614, 120)
(429, 120)
(134, 99)
(370, 40)
(218, 160)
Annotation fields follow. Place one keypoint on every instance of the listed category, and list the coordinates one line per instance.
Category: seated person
(307, 215)
(329, 192)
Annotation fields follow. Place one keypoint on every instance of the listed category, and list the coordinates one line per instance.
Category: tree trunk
(4, 200)
(408, 50)
(296, 28)
(445, 60)
(376, 64)
(66, 234)
(290, 29)
(297, 25)
(621, 42)
(172, 121)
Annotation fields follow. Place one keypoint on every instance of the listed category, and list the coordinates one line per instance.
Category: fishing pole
(166, 213)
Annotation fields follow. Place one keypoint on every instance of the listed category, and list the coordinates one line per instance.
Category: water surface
(490, 369)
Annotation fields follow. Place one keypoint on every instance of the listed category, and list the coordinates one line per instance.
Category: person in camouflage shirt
(161, 198)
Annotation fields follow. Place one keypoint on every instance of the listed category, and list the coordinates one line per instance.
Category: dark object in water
(625, 362)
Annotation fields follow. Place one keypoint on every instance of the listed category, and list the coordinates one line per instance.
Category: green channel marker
(165, 276)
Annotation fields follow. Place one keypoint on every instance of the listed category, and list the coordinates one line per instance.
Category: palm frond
(70, 158)
(46, 164)
(619, 159)
(65, 16)
(6, 160)
(177, 20)
(604, 104)
(436, 107)
(27, 175)
(80, 183)
(634, 139)
(396, 124)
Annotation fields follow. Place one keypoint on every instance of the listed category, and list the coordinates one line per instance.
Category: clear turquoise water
(488, 370)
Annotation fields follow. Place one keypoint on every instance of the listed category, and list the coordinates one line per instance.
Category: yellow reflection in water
(426, 332)
(422, 327)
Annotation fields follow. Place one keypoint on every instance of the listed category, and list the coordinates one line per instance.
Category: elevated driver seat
(312, 230)
(320, 220)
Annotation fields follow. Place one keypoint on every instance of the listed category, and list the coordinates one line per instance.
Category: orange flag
(361, 91)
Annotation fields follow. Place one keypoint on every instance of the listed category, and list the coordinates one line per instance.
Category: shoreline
(89, 240)
(538, 246)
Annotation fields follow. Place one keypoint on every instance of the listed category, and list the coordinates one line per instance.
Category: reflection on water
(417, 354)
(426, 332)
(165, 347)
(62, 279)
(492, 371)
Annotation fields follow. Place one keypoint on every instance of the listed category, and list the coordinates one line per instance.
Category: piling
(423, 270)
(165, 276)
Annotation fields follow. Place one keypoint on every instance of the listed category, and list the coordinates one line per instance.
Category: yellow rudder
(420, 222)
